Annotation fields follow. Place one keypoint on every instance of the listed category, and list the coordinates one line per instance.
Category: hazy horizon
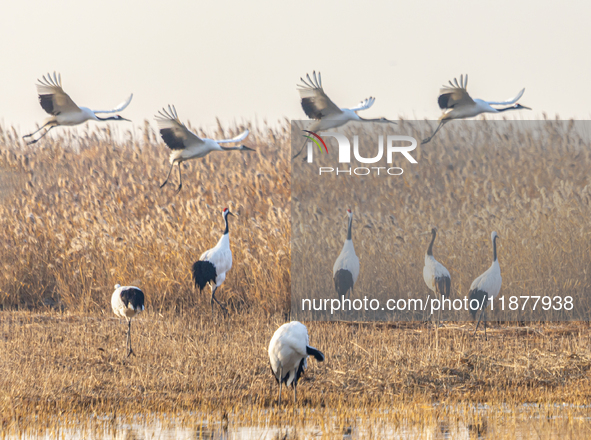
(241, 61)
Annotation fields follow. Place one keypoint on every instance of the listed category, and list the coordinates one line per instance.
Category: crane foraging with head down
(456, 103)
(127, 301)
(63, 110)
(288, 354)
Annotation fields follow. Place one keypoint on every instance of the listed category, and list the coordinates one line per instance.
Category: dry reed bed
(82, 213)
(71, 363)
(530, 183)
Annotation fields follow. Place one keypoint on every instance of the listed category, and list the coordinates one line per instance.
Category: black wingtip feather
(443, 100)
(203, 273)
(318, 355)
(479, 295)
(343, 281)
(133, 296)
(169, 138)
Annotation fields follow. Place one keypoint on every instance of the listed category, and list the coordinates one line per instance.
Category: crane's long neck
(110, 118)
(430, 249)
(349, 228)
(494, 249)
(230, 148)
(499, 110)
(227, 230)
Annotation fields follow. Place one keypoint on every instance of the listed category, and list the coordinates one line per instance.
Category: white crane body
(213, 264)
(325, 113)
(345, 270)
(127, 302)
(288, 354)
(456, 103)
(185, 144)
(63, 110)
(486, 287)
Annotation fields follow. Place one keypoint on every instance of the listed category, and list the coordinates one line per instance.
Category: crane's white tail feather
(318, 355)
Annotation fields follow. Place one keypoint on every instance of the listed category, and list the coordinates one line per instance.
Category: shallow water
(528, 423)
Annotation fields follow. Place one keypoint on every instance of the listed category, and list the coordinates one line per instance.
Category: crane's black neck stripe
(349, 228)
(495, 249)
(507, 108)
(430, 250)
(227, 230)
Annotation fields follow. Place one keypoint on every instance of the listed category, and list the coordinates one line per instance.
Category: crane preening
(486, 287)
(318, 106)
(288, 354)
(346, 267)
(127, 301)
(63, 110)
(187, 145)
(214, 263)
(435, 274)
(456, 103)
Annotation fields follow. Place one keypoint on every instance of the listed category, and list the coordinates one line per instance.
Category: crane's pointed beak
(244, 147)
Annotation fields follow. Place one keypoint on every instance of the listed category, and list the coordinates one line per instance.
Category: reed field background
(527, 180)
(82, 211)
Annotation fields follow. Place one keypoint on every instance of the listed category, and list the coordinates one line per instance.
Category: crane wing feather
(455, 94)
(315, 103)
(173, 132)
(365, 104)
(52, 97)
(509, 101)
(238, 138)
(119, 108)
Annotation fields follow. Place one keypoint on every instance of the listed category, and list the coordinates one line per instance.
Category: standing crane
(63, 110)
(346, 268)
(318, 106)
(214, 263)
(435, 274)
(456, 103)
(288, 354)
(486, 287)
(127, 301)
(187, 145)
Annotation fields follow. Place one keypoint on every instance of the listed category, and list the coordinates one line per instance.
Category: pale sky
(241, 60)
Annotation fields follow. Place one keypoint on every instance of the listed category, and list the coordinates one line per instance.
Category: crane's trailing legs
(36, 131)
(441, 124)
(180, 177)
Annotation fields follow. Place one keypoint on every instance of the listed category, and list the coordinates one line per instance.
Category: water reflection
(328, 425)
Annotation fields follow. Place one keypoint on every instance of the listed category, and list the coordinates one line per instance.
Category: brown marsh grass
(72, 365)
(82, 212)
(527, 180)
